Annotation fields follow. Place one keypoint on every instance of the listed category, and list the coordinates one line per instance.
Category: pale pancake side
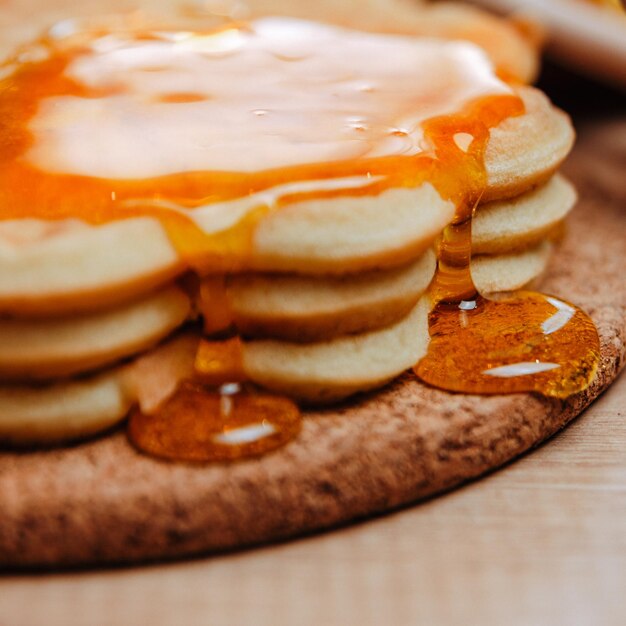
(508, 225)
(331, 370)
(306, 309)
(318, 372)
(302, 308)
(525, 151)
(507, 272)
(62, 411)
(349, 234)
(43, 349)
(328, 369)
(68, 266)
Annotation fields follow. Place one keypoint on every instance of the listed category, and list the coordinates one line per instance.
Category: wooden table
(542, 541)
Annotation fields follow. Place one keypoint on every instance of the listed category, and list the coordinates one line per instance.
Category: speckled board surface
(101, 502)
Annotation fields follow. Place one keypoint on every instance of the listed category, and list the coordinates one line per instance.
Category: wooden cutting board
(102, 502)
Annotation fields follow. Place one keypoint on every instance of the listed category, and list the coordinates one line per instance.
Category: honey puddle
(199, 423)
(270, 114)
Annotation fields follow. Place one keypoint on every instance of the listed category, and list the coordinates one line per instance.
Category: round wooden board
(102, 502)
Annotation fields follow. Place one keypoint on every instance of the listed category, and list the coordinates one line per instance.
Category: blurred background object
(586, 35)
(589, 36)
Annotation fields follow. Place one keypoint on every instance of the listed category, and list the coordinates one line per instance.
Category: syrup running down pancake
(212, 134)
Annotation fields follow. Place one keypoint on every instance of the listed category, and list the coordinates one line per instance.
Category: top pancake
(50, 267)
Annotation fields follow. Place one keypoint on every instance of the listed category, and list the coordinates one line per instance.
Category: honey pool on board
(273, 113)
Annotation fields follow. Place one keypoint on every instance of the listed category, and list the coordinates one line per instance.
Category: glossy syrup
(525, 341)
(213, 414)
(506, 343)
(292, 103)
(199, 423)
(244, 113)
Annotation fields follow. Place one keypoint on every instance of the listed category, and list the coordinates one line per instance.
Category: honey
(219, 361)
(200, 424)
(212, 414)
(214, 305)
(516, 342)
(181, 121)
(519, 342)
(243, 120)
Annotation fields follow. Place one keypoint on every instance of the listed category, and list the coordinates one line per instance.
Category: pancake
(409, 441)
(513, 50)
(257, 196)
(66, 267)
(62, 411)
(505, 226)
(294, 308)
(331, 370)
(305, 309)
(508, 272)
(103, 502)
(253, 190)
(42, 349)
(525, 151)
(318, 372)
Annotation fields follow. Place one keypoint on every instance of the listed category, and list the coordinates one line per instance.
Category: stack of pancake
(331, 298)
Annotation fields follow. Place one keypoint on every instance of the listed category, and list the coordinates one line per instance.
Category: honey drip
(209, 419)
(199, 423)
(523, 341)
(214, 305)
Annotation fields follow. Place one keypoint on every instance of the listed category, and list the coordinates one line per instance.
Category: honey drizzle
(26, 190)
(508, 343)
(211, 416)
